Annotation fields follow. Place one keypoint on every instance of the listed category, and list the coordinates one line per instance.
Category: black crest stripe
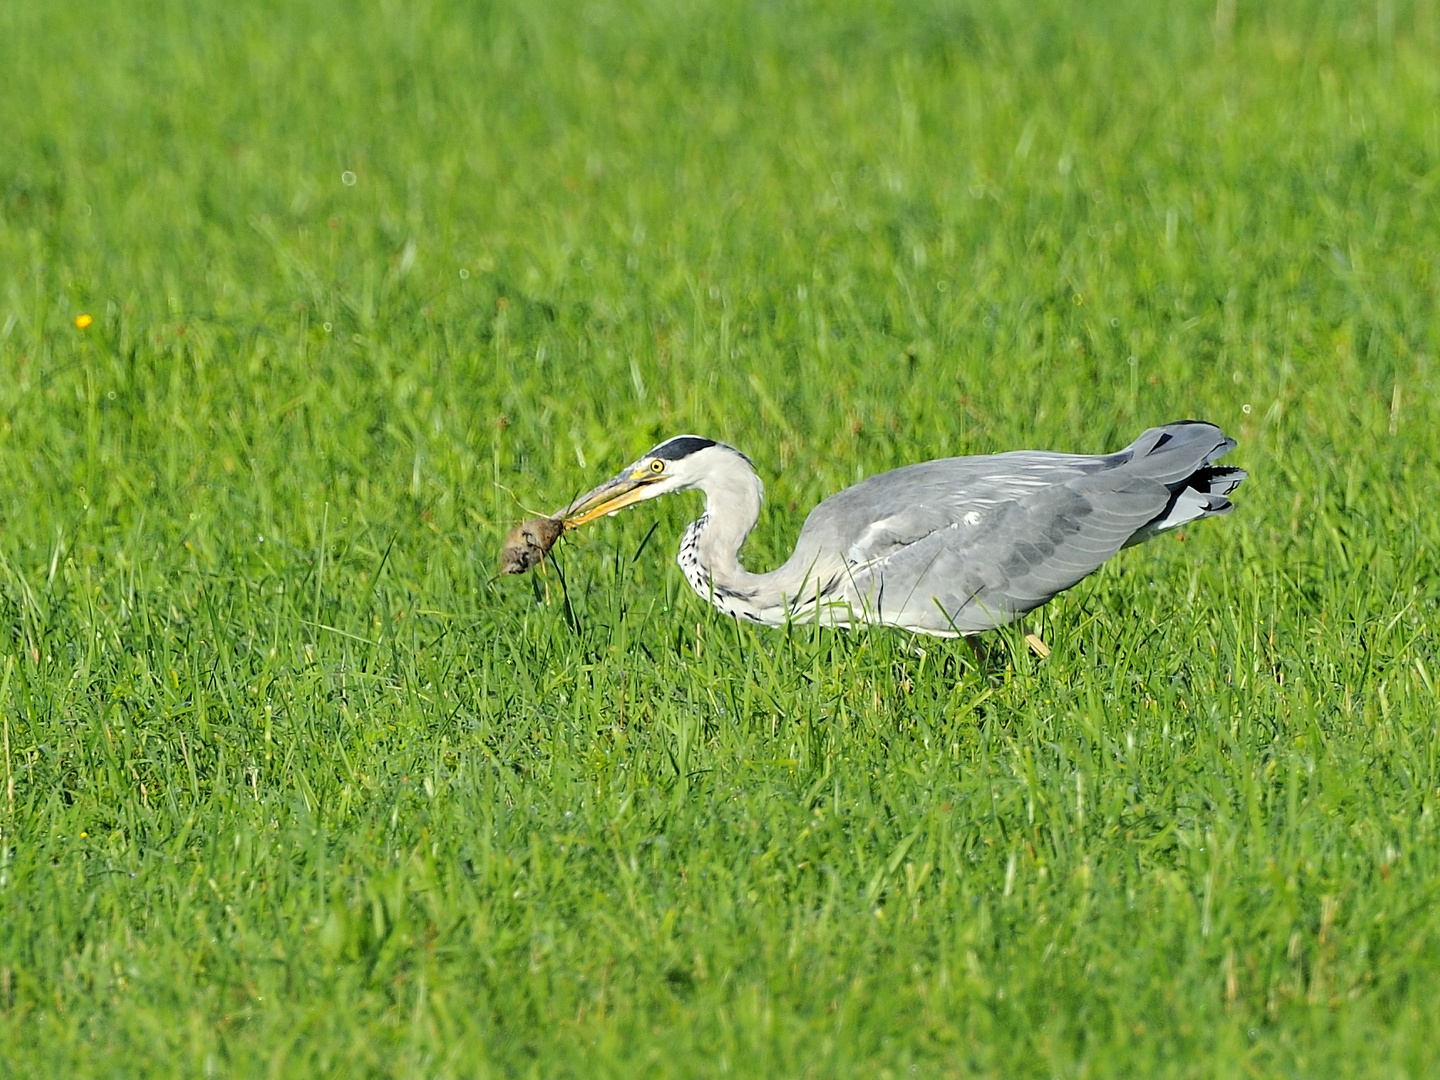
(680, 447)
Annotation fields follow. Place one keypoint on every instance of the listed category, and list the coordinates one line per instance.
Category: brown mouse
(527, 544)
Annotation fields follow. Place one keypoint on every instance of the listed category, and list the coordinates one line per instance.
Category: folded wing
(967, 544)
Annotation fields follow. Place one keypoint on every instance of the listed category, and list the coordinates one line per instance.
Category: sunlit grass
(301, 305)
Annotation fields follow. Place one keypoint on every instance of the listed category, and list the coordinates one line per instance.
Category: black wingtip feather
(1216, 479)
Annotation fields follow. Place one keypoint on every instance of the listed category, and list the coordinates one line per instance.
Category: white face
(675, 465)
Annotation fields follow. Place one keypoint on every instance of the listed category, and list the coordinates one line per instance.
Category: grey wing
(984, 568)
(967, 544)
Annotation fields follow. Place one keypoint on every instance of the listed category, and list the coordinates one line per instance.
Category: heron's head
(678, 464)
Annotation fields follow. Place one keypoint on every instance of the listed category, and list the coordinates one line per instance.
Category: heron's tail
(1181, 456)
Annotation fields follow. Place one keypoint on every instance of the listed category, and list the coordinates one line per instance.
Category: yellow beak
(610, 497)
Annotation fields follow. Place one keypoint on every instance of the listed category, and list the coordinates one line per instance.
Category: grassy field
(294, 787)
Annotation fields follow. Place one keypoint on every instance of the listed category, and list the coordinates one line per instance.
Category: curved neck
(732, 507)
(710, 550)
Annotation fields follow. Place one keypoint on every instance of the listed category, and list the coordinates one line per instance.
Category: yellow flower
(82, 321)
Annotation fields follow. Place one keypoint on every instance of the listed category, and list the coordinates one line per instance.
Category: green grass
(295, 787)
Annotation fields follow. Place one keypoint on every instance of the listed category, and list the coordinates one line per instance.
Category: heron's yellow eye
(657, 466)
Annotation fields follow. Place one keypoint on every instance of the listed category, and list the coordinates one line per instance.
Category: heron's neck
(710, 551)
(732, 507)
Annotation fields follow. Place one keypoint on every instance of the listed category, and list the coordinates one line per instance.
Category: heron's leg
(985, 668)
(978, 649)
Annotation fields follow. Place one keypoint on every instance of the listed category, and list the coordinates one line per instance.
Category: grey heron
(949, 547)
